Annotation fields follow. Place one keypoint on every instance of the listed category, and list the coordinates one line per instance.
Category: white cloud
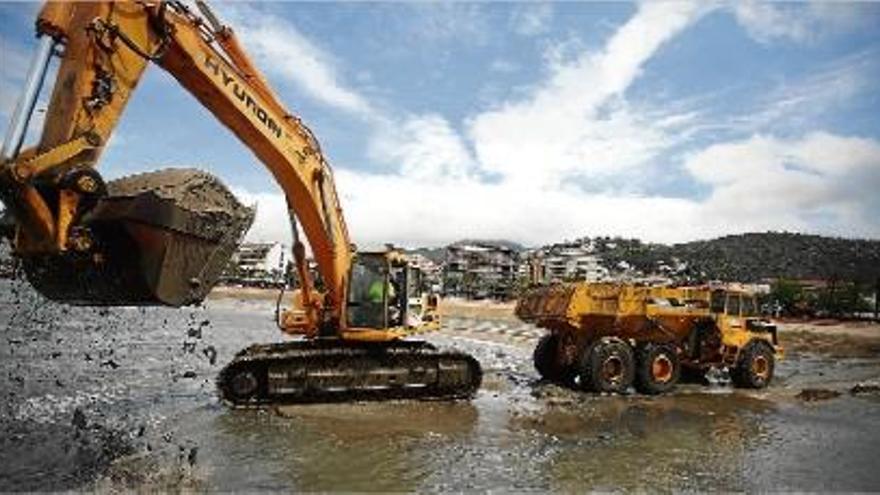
(846, 16)
(531, 18)
(802, 22)
(766, 182)
(577, 122)
(281, 49)
(271, 223)
(447, 21)
(503, 66)
(424, 147)
(636, 41)
(431, 213)
(765, 21)
(829, 85)
(760, 183)
(790, 105)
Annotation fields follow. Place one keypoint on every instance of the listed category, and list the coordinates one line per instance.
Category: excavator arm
(163, 237)
(106, 48)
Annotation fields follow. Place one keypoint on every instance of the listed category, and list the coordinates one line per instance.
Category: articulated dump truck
(605, 337)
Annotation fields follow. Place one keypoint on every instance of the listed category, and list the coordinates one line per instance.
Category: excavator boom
(164, 237)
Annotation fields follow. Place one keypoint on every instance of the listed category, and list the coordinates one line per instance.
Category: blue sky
(538, 122)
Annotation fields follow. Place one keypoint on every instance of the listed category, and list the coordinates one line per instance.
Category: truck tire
(755, 366)
(546, 358)
(607, 366)
(657, 369)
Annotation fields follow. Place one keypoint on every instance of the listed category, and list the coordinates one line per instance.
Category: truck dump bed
(623, 310)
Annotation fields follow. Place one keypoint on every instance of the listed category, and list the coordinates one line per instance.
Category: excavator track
(313, 371)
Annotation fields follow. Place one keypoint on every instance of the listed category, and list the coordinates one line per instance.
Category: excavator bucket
(159, 238)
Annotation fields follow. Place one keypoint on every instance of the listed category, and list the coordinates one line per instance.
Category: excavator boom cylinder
(25, 107)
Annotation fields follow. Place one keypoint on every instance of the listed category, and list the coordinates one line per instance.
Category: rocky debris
(189, 188)
(210, 352)
(817, 394)
(153, 474)
(72, 452)
(64, 419)
(865, 389)
(79, 419)
(192, 456)
(217, 212)
(555, 395)
(110, 364)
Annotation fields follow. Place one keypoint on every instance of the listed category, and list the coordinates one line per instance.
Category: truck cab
(742, 328)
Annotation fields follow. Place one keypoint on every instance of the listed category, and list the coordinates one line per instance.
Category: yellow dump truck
(604, 337)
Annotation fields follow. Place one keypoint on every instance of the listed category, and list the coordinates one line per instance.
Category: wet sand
(124, 399)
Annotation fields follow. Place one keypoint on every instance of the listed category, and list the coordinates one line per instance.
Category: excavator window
(377, 294)
(368, 293)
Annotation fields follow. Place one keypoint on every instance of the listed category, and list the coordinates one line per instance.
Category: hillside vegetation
(752, 257)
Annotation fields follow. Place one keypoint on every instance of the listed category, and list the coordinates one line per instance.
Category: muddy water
(124, 398)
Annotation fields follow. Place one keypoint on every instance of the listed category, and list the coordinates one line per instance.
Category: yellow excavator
(163, 237)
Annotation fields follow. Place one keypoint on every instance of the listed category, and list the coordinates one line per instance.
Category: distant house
(480, 271)
(265, 257)
(431, 273)
(257, 264)
(565, 261)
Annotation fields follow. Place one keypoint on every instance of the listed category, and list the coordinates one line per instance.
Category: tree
(787, 294)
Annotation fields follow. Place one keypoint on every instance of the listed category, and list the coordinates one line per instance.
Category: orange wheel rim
(761, 367)
(661, 369)
(612, 369)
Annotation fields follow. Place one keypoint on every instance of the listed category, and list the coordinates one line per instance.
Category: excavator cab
(386, 291)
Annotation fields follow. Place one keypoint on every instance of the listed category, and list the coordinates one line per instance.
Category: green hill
(754, 257)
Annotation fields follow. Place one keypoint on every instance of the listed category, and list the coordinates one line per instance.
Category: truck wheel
(657, 369)
(607, 366)
(546, 358)
(755, 367)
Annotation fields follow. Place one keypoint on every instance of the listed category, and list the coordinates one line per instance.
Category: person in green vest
(376, 291)
(375, 295)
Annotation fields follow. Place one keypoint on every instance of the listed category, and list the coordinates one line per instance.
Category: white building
(573, 262)
(423, 263)
(261, 257)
